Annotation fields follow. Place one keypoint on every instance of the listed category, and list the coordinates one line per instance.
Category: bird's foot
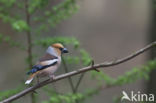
(51, 77)
(38, 81)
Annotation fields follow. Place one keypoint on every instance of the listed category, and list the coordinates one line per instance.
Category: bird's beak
(64, 50)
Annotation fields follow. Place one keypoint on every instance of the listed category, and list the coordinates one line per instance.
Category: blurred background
(108, 30)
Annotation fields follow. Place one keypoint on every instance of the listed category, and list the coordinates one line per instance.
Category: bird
(48, 64)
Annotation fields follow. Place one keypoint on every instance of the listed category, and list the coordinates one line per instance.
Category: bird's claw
(52, 77)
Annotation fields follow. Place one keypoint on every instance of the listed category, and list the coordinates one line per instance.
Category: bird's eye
(61, 49)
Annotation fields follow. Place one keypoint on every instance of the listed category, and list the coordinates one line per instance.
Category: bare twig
(29, 42)
(78, 83)
(28, 34)
(79, 71)
(69, 78)
(74, 89)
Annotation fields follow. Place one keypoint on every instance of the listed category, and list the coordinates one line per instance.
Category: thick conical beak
(65, 50)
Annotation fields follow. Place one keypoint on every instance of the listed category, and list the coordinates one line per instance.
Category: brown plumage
(47, 57)
(49, 63)
(57, 45)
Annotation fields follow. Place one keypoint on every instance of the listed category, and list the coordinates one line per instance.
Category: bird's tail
(31, 78)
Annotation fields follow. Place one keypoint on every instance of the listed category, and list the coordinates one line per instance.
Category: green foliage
(6, 18)
(61, 11)
(7, 3)
(64, 40)
(8, 93)
(37, 4)
(70, 97)
(72, 59)
(11, 42)
(5, 11)
(129, 77)
(67, 98)
(135, 74)
(41, 12)
(20, 25)
(100, 76)
(49, 91)
(86, 59)
(54, 15)
(60, 98)
(48, 18)
(83, 58)
(117, 99)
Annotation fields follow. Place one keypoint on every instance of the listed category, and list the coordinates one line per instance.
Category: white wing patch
(48, 62)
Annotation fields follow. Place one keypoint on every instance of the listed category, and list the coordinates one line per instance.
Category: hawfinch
(48, 64)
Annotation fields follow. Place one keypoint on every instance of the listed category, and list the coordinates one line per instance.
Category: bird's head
(59, 48)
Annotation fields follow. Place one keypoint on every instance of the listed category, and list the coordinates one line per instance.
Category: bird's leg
(38, 81)
(51, 76)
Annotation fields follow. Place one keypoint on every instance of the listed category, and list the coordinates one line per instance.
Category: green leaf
(8, 3)
(54, 100)
(85, 57)
(7, 18)
(100, 76)
(72, 59)
(135, 74)
(20, 26)
(64, 40)
(6, 38)
(37, 4)
(8, 93)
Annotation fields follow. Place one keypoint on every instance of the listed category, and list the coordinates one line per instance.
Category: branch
(29, 42)
(79, 71)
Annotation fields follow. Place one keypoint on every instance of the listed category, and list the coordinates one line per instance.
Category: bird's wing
(47, 56)
(48, 60)
(43, 63)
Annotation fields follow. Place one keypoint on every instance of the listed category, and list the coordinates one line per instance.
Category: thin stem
(79, 81)
(79, 71)
(69, 78)
(28, 33)
(29, 42)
